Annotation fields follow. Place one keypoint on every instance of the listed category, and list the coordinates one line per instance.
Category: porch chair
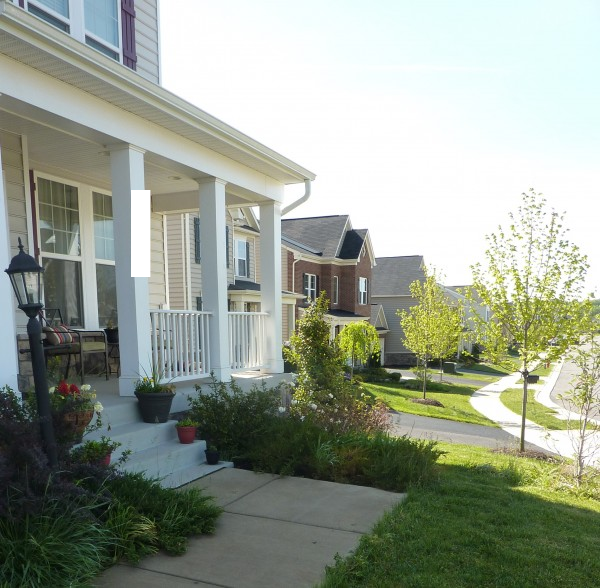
(63, 340)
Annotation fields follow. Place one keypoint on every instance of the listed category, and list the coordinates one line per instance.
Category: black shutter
(199, 303)
(227, 244)
(305, 284)
(317, 287)
(128, 33)
(247, 259)
(197, 240)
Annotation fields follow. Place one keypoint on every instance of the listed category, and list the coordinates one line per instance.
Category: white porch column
(9, 364)
(214, 272)
(135, 347)
(270, 287)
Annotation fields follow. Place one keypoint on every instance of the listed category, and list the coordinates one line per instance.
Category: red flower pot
(106, 460)
(186, 434)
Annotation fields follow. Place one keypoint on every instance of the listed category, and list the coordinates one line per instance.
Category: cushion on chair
(58, 335)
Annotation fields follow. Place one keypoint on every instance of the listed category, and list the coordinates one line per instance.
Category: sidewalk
(274, 532)
(487, 402)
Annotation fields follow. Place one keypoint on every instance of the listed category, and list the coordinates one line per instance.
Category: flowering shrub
(67, 397)
(152, 384)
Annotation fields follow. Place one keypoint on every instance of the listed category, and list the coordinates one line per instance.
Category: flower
(67, 397)
(313, 406)
(151, 384)
(281, 409)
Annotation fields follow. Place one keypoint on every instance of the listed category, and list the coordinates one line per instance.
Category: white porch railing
(180, 343)
(246, 340)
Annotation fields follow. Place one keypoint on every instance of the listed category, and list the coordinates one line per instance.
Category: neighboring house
(242, 238)
(83, 122)
(325, 253)
(457, 294)
(392, 277)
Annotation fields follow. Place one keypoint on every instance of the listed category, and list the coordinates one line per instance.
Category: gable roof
(322, 234)
(353, 243)
(392, 276)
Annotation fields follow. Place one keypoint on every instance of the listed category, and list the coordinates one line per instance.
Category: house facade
(84, 122)
(327, 254)
(392, 277)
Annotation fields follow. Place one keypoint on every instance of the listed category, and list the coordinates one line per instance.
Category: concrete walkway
(487, 402)
(274, 532)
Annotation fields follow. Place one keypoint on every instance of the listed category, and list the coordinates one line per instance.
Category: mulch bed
(427, 401)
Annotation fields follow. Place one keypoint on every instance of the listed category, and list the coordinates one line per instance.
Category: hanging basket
(155, 407)
(76, 422)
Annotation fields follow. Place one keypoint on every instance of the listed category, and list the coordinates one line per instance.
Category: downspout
(300, 200)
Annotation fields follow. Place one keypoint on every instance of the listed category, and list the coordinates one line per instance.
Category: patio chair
(79, 343)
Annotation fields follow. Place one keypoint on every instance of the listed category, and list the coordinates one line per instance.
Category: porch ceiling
(62, 148)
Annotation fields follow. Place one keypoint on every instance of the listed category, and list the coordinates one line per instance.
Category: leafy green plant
(56, 546)
(187, 422)
(94, 451)
(176, 514)
(231, 418)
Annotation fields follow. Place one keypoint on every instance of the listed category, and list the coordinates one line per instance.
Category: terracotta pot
(105, 461)
(155, 406)
(186, 434)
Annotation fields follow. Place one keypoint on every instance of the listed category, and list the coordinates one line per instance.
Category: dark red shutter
(128, 30)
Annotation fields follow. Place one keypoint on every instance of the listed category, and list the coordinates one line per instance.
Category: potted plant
(74, 407)
(186, 430)
(154, 398)
(112, 332)
(95, 452)
(212, 455)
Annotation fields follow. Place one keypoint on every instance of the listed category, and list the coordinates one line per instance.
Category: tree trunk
(524, 373)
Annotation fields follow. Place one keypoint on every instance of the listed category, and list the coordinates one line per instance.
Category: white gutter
(292, 205)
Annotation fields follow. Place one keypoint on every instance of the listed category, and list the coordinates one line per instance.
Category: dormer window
(96, 23)
(362, 291)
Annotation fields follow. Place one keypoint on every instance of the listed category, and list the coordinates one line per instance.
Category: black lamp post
(26, 278)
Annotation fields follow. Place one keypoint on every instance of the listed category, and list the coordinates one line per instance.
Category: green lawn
(536, 412)
(490, 520)
(455, 399)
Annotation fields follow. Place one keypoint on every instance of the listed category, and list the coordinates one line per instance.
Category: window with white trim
(93, 22)
(242, 261)
(76, 241)
(335, 289)
(309, 286)
(362, 291)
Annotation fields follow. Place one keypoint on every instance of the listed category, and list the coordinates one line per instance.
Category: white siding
(14, 182)
(176, 259)
(146, 40)
(156, 284)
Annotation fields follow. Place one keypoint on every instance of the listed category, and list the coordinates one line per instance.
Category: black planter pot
(212, 457)
(155, 407)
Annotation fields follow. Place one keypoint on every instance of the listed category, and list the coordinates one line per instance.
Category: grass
(455, 399)
(490, 520)
(512, 398)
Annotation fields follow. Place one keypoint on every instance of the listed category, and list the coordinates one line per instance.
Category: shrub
(55, 547)
(176, 514)
(230, 418)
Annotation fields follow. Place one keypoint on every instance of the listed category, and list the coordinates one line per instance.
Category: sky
(424, 120)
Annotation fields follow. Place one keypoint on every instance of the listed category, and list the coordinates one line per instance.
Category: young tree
(358, 341)
(432, 327)
(532, 283)
(584, 398)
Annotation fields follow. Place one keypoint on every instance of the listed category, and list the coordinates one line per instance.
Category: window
(362, 291)
(94, 22)
(335, 290)
(60, 244)
(76, 237)
(104, 246)
(309, 286)
(242, 258)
